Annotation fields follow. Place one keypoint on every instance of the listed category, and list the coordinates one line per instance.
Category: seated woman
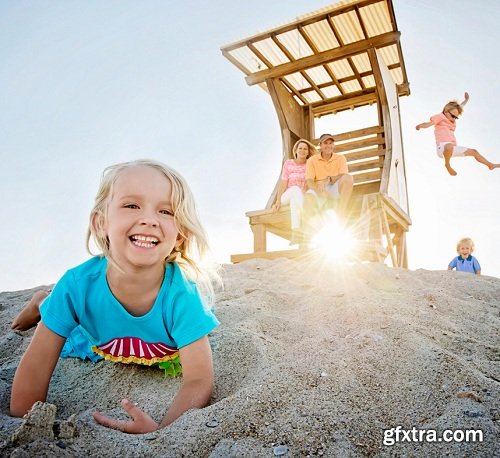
(293, 185)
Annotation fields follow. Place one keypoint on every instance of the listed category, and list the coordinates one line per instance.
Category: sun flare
(334, 240)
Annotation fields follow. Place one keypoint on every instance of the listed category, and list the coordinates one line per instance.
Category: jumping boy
(444, 127)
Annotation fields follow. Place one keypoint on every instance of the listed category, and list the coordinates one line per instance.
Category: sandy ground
(310, 360)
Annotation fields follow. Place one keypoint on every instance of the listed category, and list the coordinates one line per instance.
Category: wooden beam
(365, 142)
(290, 254)
(367, 176)
(331, 55)
(358, 133)
(267, 218)
(283, 231)
(390, 8)
(335, 11)
(260, 55)
(345, 79)
(387, 232)
(327, 69)
(282, 48)
(366, 165)
(339, 39)
(365, 188)
(350, 100)
(293, 90)
(401, 248)
(404, 169)
(259, 237)
(266, 211)
(290, 114)
(364, 154)
(236, 62)
(394, 24)
(404, 252)
(345, 102)
(289, 56)
(361, 22)
(385, 118)
(393, 207)
(313, 85)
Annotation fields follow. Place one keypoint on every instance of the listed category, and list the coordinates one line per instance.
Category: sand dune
(310, 360)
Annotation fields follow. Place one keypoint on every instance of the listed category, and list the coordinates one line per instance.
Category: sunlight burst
(334, 240)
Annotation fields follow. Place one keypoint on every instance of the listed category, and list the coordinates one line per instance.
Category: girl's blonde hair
(453, 104)
(463, 242)
(188, 252)
(312, 148)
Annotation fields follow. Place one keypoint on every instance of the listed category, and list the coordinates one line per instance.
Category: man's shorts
(458, 151)
(331, 189)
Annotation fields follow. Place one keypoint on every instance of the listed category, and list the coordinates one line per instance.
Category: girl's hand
(276, 206)
(141, 422)
(466, 96)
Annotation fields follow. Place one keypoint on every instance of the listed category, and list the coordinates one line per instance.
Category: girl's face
(139, 221)
(302, 151)
(452, 114)
(465, 250)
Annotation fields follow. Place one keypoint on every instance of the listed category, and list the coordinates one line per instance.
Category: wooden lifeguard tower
(339, 58)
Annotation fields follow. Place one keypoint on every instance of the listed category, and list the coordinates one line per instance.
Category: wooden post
(401, 249)
(387, 231)
(259, 238)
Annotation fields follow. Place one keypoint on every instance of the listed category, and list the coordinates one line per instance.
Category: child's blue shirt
(82, 308)
(470, 264)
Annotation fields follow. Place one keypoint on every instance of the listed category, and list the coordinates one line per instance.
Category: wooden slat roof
(322, 57)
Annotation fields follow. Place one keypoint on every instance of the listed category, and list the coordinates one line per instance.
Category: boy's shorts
(458, 151)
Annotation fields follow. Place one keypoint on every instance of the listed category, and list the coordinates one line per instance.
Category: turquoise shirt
(82, 309)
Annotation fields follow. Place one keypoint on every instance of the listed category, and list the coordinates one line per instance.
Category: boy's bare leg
(29, 316)
(447, 153)
(475, 154)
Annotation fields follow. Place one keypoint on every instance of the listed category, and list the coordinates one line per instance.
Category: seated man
(327, 177)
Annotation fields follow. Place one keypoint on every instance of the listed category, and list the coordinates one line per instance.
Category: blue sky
(87, 84)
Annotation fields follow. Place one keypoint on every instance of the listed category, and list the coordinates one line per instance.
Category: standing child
(465, 262)
(136, 302)
(444, 127)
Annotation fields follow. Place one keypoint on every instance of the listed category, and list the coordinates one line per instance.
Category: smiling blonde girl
(136, 302)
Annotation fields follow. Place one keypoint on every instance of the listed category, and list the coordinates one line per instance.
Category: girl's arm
(281, 189)
(466, 99)
(198, 380)
(195, 392)
(424, 125)
(32, 378)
